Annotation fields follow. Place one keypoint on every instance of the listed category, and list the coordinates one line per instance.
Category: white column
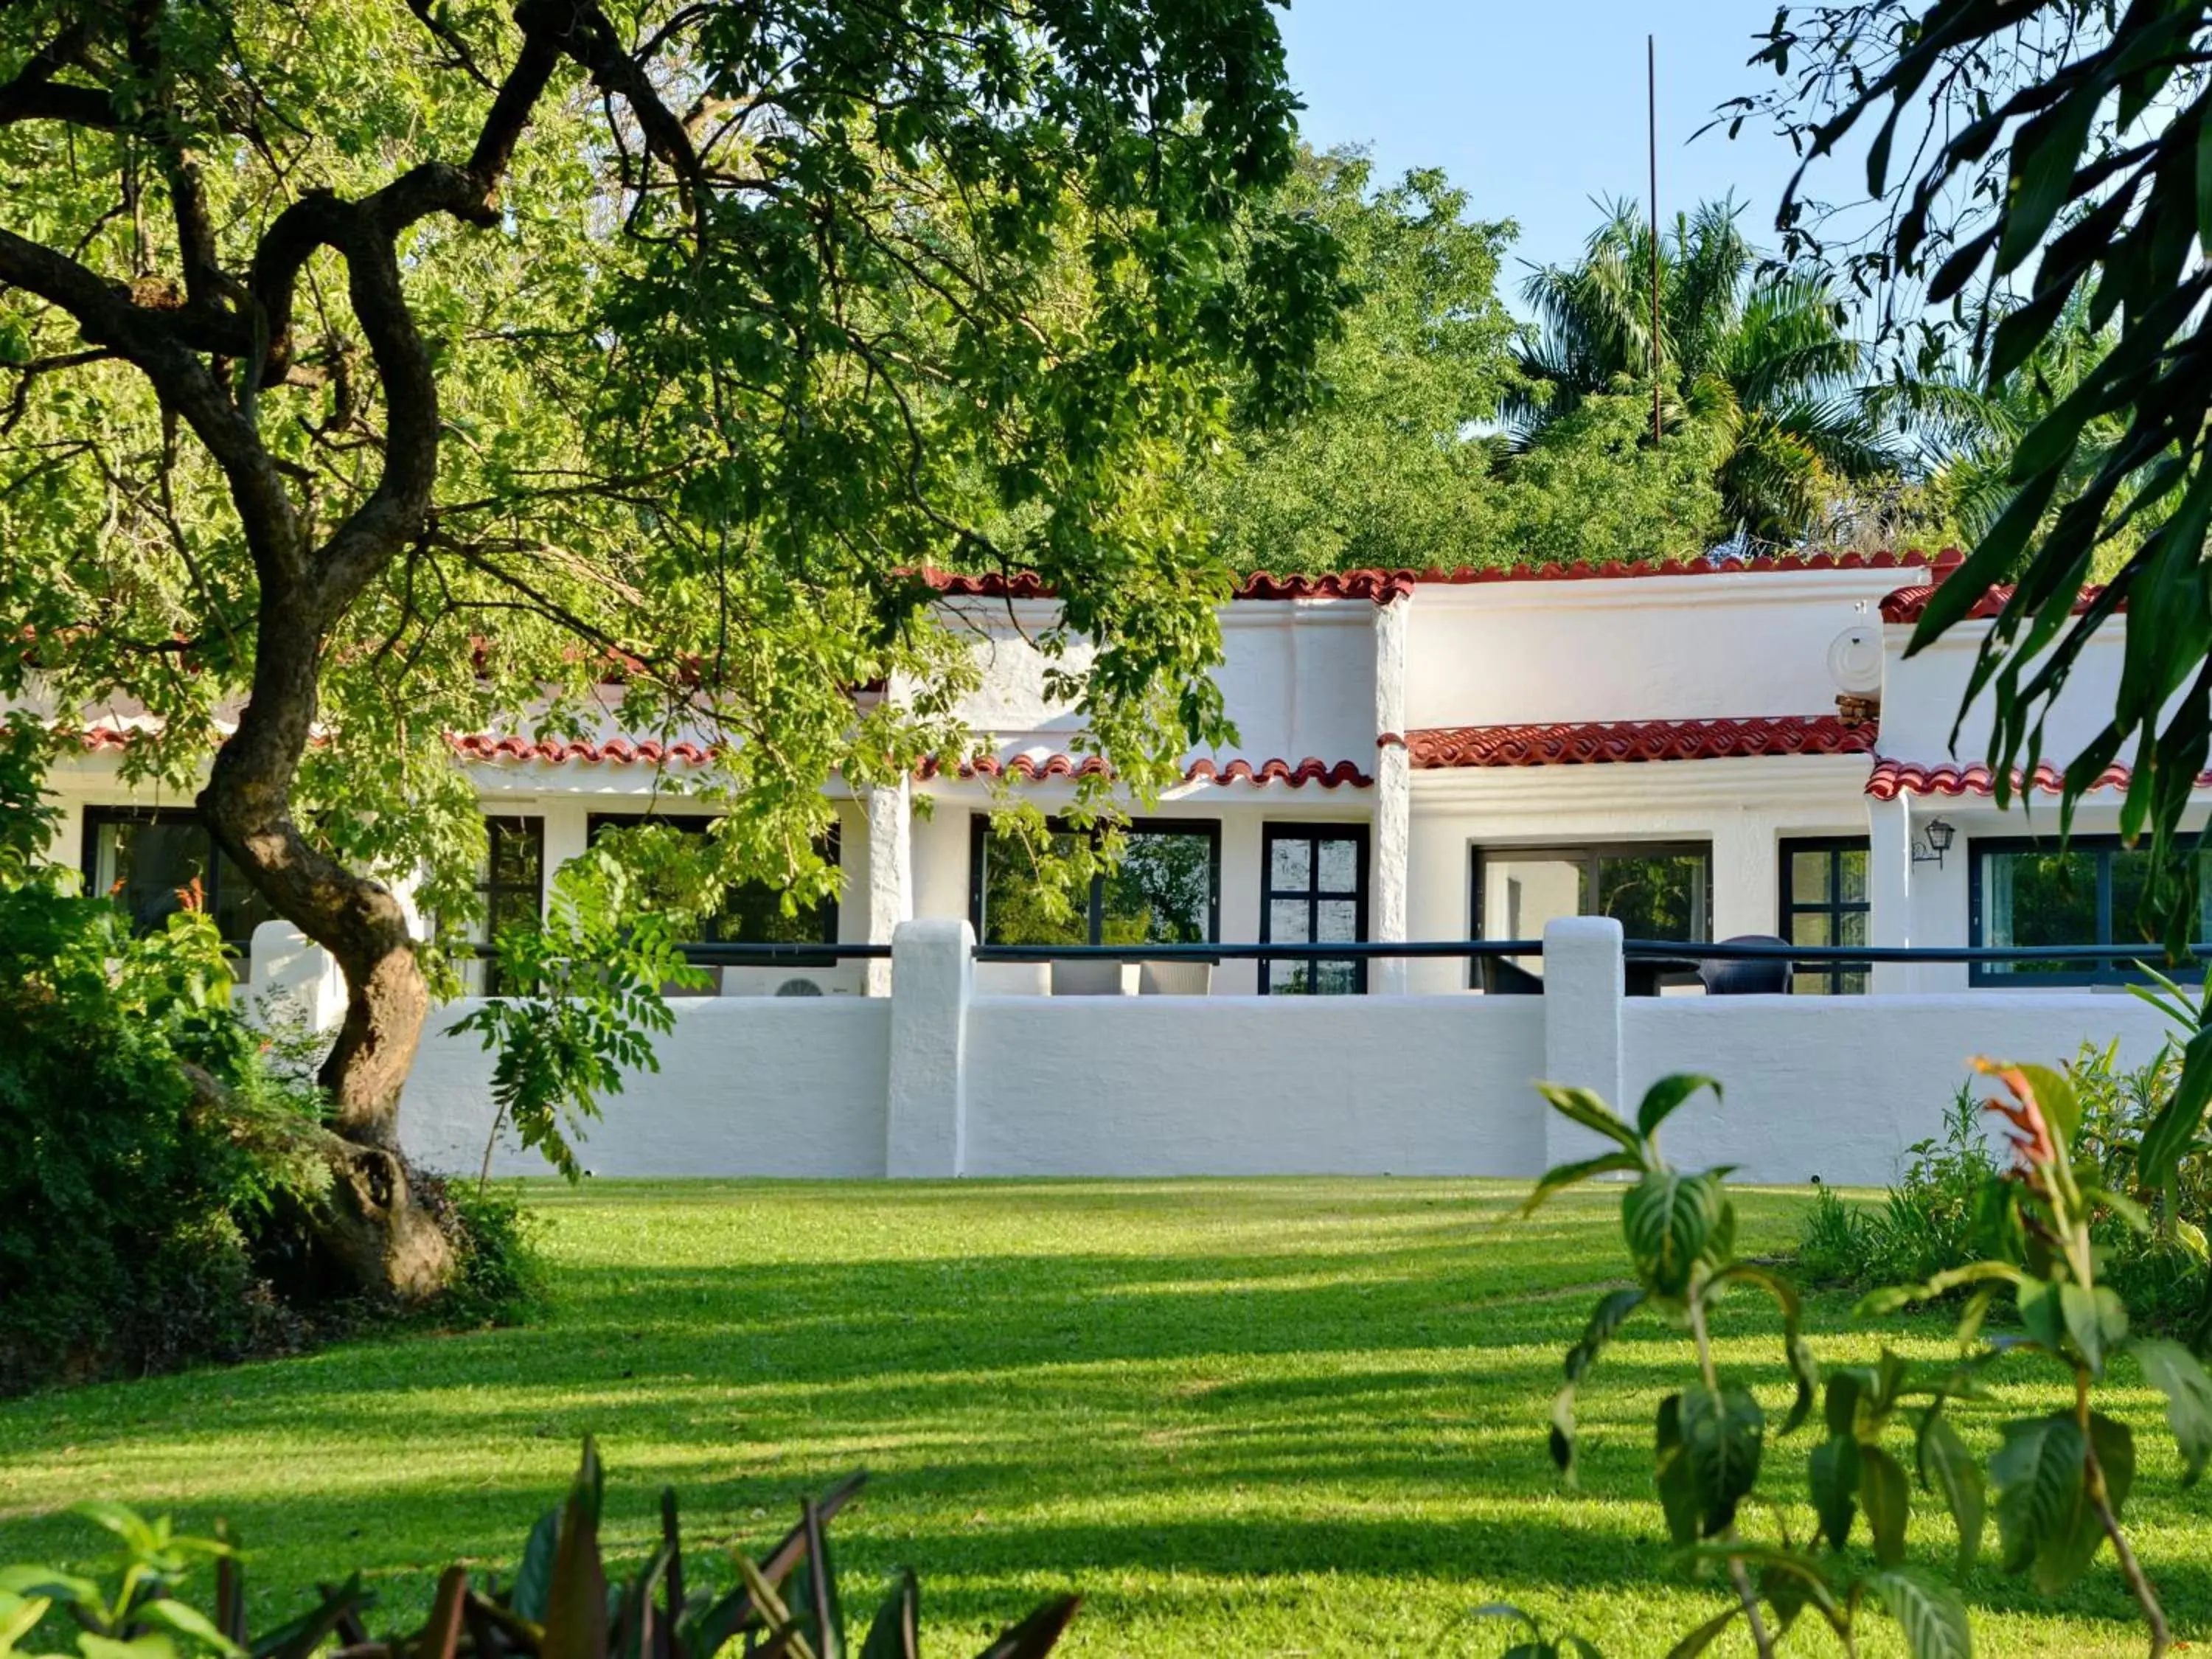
(1889, 888)
(1394, 800)
(1585, 983)
(1746, 875)
(933, 977)
(891, 871)
(567, 827)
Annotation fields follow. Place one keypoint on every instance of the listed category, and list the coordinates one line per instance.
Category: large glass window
(1654, 891)
(155, 861)
(513, 886)
(1315, 895)
(1165, 891)
(2030, 893)
(751, 911)
(1824, 902)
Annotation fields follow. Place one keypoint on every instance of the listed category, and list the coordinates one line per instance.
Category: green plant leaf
(1723, 1432)
(2181, 1377)
(1584, 1106)
(1886, 1497)
(896, 1631)
(1834, 1472)
(2096, 1319)
(143, 1647)
(576, 1603)
(1562, 1176)
(2043, 1311)
(2037, 1474)
(1664, 1097)
(1697, 1641)
(2055, 1095)
(2174, 1130)
(1931, 1614)
(1037, 1634)
(1678, 1491)
(1947, 1469)
(187, 1620)
(534, 1579)
(1669, 1220)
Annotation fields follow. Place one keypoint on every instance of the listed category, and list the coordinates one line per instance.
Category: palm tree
(1763, 355)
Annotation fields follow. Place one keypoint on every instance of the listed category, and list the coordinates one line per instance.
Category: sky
(1535, 106)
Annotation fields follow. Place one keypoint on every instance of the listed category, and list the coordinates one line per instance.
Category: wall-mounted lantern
(1935, 841)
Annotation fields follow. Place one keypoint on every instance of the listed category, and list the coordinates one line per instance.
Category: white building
(1696, 753)
(1705, 752)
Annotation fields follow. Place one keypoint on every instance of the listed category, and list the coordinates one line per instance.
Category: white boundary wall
(935, 1081)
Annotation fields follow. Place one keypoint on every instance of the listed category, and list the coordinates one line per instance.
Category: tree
(1394, 468)
(2031, 159)
(1762, 358)
(382, 371)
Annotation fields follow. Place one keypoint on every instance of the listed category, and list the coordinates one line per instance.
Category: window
(151, 859)
(751, 911)
(2025, 892)
(1165, 891)
(513, 885)
(1315, 895)
(1824, 902)
(1653, 890)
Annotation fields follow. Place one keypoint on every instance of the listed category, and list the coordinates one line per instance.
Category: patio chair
(1767, 977)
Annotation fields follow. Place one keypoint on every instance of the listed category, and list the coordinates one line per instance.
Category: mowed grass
(1242, 1418)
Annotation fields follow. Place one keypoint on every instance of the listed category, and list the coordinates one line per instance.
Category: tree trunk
(386, 1240)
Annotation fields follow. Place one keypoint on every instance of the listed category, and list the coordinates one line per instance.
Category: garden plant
(2058, 1484)
(558, 1604)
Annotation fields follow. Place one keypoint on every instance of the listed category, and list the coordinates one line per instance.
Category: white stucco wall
(747, 1086)
(1838, 1087)
(1707, 645)
(1284, 1085)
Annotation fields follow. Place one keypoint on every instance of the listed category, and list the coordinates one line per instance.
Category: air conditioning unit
(801, 985)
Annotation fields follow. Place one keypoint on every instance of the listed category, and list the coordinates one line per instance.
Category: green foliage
(1389, 470)
(558, 1604)
(967, 284)
(2056, 1486)
(1711, 1435)
(581, 1001)
(2058, 205)
(1927, 1222)
(1763, 378)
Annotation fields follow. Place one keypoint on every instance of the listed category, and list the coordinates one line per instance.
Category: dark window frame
(97, 817)
(979, 839)
(703, 822)
(491, 889)
(1595, 853)
(1833, 904)
(1313, 894)
(2111, 971)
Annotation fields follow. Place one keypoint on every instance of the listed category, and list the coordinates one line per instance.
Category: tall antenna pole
(1651, 107)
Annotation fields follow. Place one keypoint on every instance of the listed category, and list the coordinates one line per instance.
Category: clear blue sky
(1534, 106)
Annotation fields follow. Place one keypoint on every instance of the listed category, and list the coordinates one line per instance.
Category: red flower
(2031, 1147)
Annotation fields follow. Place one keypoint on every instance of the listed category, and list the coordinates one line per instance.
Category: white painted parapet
(1585, 983)
(932, 981)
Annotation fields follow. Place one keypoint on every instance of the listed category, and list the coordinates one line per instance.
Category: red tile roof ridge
(1582, 742)
(1892, 778)
(1383, 586)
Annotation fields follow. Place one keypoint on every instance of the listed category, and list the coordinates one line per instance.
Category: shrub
(141, 1228)
(558, 1604)
(2058, 1486)
(1927, 1223)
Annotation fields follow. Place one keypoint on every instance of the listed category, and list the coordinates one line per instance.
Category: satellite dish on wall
(1855, 661)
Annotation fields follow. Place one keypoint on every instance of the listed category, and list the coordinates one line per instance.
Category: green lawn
(1244, 1418)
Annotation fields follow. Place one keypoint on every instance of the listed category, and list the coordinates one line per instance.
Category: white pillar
(1746, 875)
(891, 871)
(933, 977)
(1394, 800)
(289, 978)
(1585, 983)
(1889, 888)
